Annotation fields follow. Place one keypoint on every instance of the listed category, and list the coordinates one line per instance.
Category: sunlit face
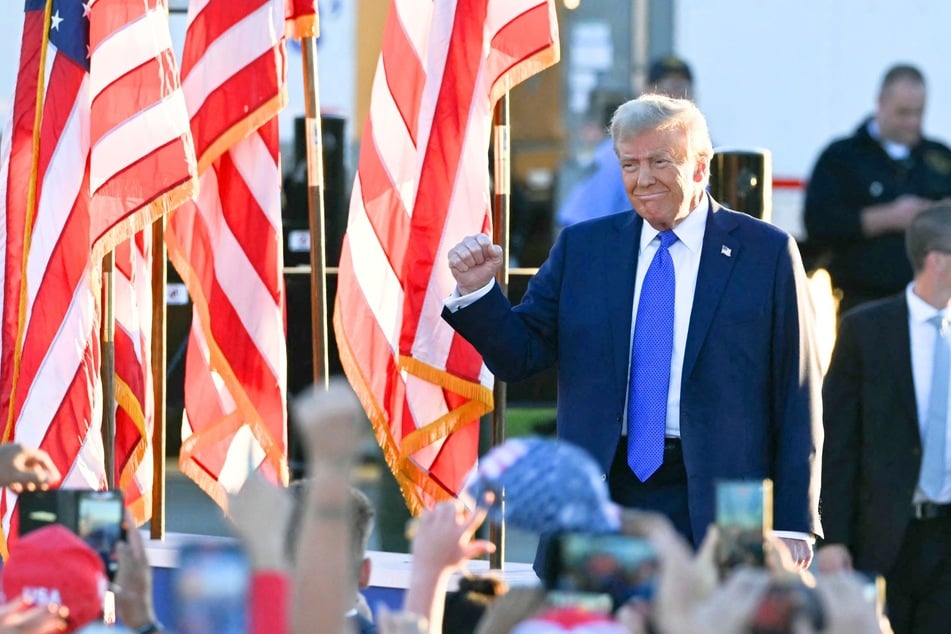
(663, 183)
(901, 108)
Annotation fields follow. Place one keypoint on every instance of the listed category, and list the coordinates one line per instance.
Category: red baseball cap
(569, 620)
(53, 565)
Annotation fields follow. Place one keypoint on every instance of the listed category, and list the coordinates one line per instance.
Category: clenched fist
(474, 262)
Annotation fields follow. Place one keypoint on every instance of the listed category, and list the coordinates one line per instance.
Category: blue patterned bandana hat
(549, 486)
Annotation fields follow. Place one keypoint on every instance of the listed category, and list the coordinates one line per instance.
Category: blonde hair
(660, 112)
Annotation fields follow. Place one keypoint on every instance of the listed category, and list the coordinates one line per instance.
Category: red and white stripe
(227, 247)
(422, 185)
(50, 388)
(301, 16)
(50, 356)
(135, 396)
(138, 122)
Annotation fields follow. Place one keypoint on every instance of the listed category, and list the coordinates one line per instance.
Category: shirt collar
(897, 151)
(689, 231)
(919, 310)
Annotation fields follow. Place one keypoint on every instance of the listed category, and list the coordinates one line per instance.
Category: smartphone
(98, 517)
(210, 586)
(873, 589)
(744, 514)
(619, 566)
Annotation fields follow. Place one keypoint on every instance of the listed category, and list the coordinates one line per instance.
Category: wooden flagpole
(502, 179)
(159, 377)
(107, 369)
(315, 205)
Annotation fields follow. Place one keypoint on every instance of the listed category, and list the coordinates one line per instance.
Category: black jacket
(872, 452)
(853, 173)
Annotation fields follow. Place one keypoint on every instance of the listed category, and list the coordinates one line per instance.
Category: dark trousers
(664, 492)
(918, 589)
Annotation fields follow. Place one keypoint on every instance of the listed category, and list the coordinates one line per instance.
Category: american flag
(227, 247)
(135, 402)
(78, 176)
(421, 186)
(301, 18)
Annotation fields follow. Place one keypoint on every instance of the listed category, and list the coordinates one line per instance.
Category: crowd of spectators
(306, 577)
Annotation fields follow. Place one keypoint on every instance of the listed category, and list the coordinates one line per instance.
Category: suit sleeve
(516, 343)
(842, 411)
(797, 409)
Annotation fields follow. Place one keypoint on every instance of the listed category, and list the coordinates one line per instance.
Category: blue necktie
(932, 463)
(650, 364)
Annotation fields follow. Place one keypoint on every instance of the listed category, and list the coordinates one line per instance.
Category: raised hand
(260, 512)
(329, 423)
(474, 262)
(133, 582)
(26, 469)
(19, 616)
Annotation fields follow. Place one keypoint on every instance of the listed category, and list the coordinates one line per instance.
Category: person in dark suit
(740, 393)
(879, 512)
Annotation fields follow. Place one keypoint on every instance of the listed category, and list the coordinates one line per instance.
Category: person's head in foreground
(53, 566)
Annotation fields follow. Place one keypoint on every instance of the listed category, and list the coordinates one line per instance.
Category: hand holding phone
(95, 516)
(620, 567)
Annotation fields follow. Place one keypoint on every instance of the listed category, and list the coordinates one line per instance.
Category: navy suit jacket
(750, 396)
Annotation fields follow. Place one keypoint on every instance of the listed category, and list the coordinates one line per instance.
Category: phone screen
(744, 515)
(99, 523)
(95, 516)
(211, 589)
(873, 589)
(620, 566)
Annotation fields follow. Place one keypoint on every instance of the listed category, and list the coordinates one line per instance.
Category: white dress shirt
(685, 254)
(897, 151)
(923, 336)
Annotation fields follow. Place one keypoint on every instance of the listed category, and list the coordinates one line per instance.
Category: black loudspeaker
(742, 179)
(296, 212)
(300, 349)
(300, 363)
(178, 322)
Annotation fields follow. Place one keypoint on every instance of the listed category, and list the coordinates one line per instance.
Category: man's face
(662, 182)
(901, 107)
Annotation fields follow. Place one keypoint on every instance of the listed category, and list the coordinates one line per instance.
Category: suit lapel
(621, 295)
(718, 255)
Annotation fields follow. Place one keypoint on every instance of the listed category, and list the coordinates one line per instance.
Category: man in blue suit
(740, 394)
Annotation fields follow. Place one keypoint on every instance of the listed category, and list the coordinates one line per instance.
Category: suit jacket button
(619, 418)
